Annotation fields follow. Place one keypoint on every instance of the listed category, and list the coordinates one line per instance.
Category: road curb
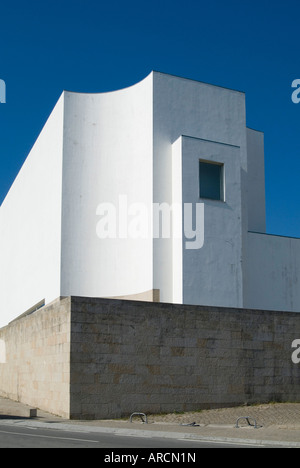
(151, 433)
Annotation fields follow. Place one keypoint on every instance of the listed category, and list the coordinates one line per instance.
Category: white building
(164, 140)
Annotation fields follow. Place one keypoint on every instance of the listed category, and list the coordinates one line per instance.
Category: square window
(211, 180)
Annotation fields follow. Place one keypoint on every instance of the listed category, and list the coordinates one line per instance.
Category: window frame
(222, 179)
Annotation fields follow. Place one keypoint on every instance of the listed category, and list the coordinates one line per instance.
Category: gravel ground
(278, 414)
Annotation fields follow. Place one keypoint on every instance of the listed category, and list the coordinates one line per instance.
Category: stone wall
(132, 356)
(35, 361)
(104, 358)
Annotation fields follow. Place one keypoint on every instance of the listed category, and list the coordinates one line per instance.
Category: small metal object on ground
(190, 424)
(142, 416)
(248, 421)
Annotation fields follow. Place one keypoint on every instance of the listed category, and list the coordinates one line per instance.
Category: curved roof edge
(112, 91)
(153, 72)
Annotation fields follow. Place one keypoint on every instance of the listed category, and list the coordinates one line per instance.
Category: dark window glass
(211, 181)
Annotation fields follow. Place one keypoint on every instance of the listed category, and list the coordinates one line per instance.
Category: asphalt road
(12, 436)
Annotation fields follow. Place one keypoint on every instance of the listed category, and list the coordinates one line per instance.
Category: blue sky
(96, 46)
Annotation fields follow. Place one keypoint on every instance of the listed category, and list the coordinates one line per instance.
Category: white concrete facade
(142, 145)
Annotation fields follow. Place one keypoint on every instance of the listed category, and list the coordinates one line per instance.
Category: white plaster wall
(256, 181)
(212, 274)
(186, 107)
(272, 273)
(107, 153)
(144, 143)
(30, 226)
(177, 223)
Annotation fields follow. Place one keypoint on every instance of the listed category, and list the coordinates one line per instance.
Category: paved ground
(278, 424)
(278, 414)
